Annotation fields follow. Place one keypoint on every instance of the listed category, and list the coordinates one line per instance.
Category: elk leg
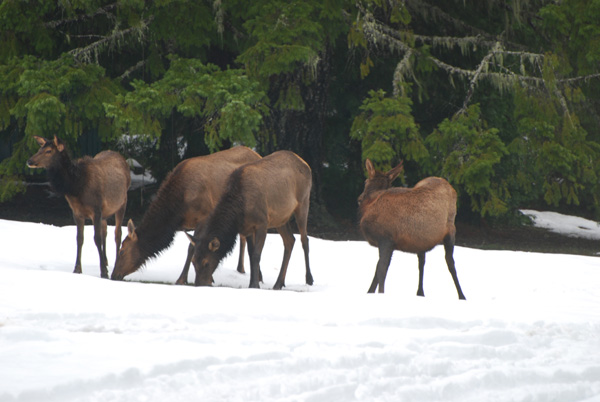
(240, 267)
(79, 222)
(421, 257)
(288, 244)
(374, 283)
(250, 243)
(301, 221)
(449, 248)
(98, 240)
(182, 280)
(258, 243)
(385, 257)
(119, 215)
(104, 234)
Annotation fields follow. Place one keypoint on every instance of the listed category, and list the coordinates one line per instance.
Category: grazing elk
(413, 220)
(183, 202)
(95, 188)
(259, 195)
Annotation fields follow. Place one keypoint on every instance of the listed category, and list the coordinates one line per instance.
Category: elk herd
(237, 193)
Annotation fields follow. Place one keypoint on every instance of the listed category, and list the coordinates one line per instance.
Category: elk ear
(191, 239)
(131, 230)
(214, 245)
(59, 144)
(370, 168)
(393, 173)
(41, 141)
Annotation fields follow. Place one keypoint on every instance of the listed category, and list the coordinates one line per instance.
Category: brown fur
(183, 202)
(260, 195)
(413, 220)
(95, 188)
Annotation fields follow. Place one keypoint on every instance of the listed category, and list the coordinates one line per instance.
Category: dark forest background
(500, 97)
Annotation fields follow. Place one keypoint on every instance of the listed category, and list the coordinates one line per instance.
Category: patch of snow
(571, 226)
(528, 330)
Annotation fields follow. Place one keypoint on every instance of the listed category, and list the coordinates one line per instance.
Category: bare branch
(475, 78)
(401, 69)
(491, 67)
(131, 69)
(85, 52)
(580, 78)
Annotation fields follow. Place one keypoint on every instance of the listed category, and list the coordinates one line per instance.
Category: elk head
(130, 257)
(47, 153)
(377, 180)
(206, 258)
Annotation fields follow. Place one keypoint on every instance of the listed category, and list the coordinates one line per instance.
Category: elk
(184, 201)
(95, 188)
(259, 195)
(413, 220)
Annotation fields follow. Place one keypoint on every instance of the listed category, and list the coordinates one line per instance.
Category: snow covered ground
(528, 331)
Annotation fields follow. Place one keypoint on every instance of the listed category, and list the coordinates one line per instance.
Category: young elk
(184, 201)
(259, 195)
(95, 188)
(413, 220)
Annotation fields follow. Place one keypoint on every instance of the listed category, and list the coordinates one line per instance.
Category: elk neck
(66, 177)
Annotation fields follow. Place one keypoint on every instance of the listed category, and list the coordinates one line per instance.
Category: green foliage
(387, 130)
(286, 37)
(10, 183)
(47, 98)
(468, 153)
(286, 43)
(23, 29)
(555, 160)
(575, 32)
(230, 103)
(187, 23)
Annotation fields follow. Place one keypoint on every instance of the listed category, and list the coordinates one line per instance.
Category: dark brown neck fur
(65, 176)
(228, 216)
(162, 220)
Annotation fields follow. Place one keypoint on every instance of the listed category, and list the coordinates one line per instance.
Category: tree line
(500, 97)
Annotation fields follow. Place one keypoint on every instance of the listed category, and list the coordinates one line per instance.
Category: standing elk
(183, 202)
(413, 220)
(95, 188)
(259, 195)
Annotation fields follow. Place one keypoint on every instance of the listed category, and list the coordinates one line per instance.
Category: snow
(528, 331)
(567, 225)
